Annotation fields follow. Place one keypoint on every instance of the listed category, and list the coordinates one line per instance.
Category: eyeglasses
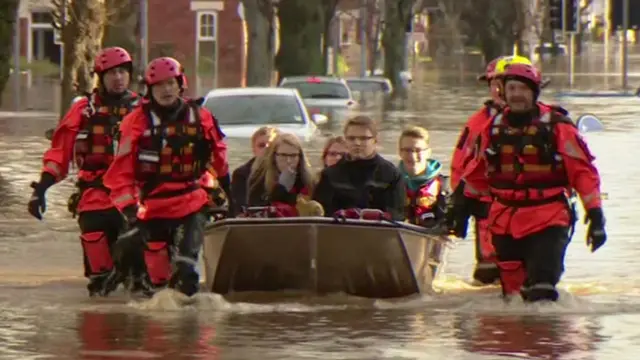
(361, 138)
(262, 145)
(335, 153)
(413, 150)
(288, 155)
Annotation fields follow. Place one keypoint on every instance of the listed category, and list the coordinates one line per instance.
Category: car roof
(367, 79)
(252, 91)
(331, 79)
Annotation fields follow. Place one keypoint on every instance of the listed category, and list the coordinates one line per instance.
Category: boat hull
(321, 255)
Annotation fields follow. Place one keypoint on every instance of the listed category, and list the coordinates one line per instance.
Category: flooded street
(46, 314)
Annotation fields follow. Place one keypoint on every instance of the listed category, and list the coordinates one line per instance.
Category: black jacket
(372, 184)
(239, 184)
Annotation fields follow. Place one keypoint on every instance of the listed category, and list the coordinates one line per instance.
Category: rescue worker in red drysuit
(86, 136)
(485, 271)
(166, 146)
(529, 158)
(363, 185)
(280, 177)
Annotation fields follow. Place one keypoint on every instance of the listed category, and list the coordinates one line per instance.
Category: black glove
(38, 204)
(458, 213)
(225, 184)
(596, 235)
(130, 214)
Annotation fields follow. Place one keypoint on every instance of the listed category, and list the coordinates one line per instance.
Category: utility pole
(16, 59)
(624, 49)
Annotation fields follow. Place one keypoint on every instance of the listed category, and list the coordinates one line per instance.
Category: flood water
(46, 314)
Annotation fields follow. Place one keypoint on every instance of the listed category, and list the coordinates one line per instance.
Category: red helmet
(523, 71)
(111, 57)
(490, 70)
(162, 69)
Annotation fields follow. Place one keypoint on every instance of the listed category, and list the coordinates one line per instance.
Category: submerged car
(323, 94)
(320, 255)
(370, 84)
(241, 111)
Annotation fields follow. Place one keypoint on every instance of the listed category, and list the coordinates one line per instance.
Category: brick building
(207, 36)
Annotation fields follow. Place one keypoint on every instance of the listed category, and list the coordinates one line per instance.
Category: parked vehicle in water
(320, 255)
(370, 84)
(241, 111)
(323, 94)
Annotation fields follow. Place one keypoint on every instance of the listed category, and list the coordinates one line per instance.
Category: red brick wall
(231, 63)
(172, 31)
(24, 36)
(172, 26)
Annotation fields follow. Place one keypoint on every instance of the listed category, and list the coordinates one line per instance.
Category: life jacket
(526, 159)
(172, 151)
(429, 202)
(96, 142)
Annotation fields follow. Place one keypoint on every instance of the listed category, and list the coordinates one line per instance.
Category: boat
(321, 255)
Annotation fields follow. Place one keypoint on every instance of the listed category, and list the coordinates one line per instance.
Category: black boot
(185, 279)
(540, 293)
(113, 279)
(96, 284)
(486, 274)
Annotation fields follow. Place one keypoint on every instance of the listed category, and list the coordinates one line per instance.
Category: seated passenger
(363, 179)
(427, 189)
(334, 150)
(260, 141)
(280, 177)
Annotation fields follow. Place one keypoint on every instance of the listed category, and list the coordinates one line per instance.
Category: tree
(122, 28)
(397, 13)
(81, 33)
(301, 26)
(328, 11)
(259, 16)
(8, 17)
(493, 27)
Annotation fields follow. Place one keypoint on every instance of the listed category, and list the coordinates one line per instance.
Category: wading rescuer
(529, 158)
(166, 147)
(486, 270)
(86, 137)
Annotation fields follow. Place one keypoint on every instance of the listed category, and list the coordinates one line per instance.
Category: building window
(41, 17)
(207, 54)
(207, 26)
(346, 31)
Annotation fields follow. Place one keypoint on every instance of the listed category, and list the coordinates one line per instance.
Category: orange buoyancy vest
(173, 151)
(428, 203)
(96, 142)
(524, 167)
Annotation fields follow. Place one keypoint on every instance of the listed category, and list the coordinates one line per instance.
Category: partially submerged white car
(241, 111)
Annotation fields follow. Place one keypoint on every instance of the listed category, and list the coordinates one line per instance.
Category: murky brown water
(45, 312)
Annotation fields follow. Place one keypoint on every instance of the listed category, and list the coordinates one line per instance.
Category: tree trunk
(326, 45)
(328, 16)
(8, 10)
(82, 37)
(394, 41)
(259, 17)
(301, 26)
(122, 28)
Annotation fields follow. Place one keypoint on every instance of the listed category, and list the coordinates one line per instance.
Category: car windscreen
(319, 89)
(368, 86)
(255, 109)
